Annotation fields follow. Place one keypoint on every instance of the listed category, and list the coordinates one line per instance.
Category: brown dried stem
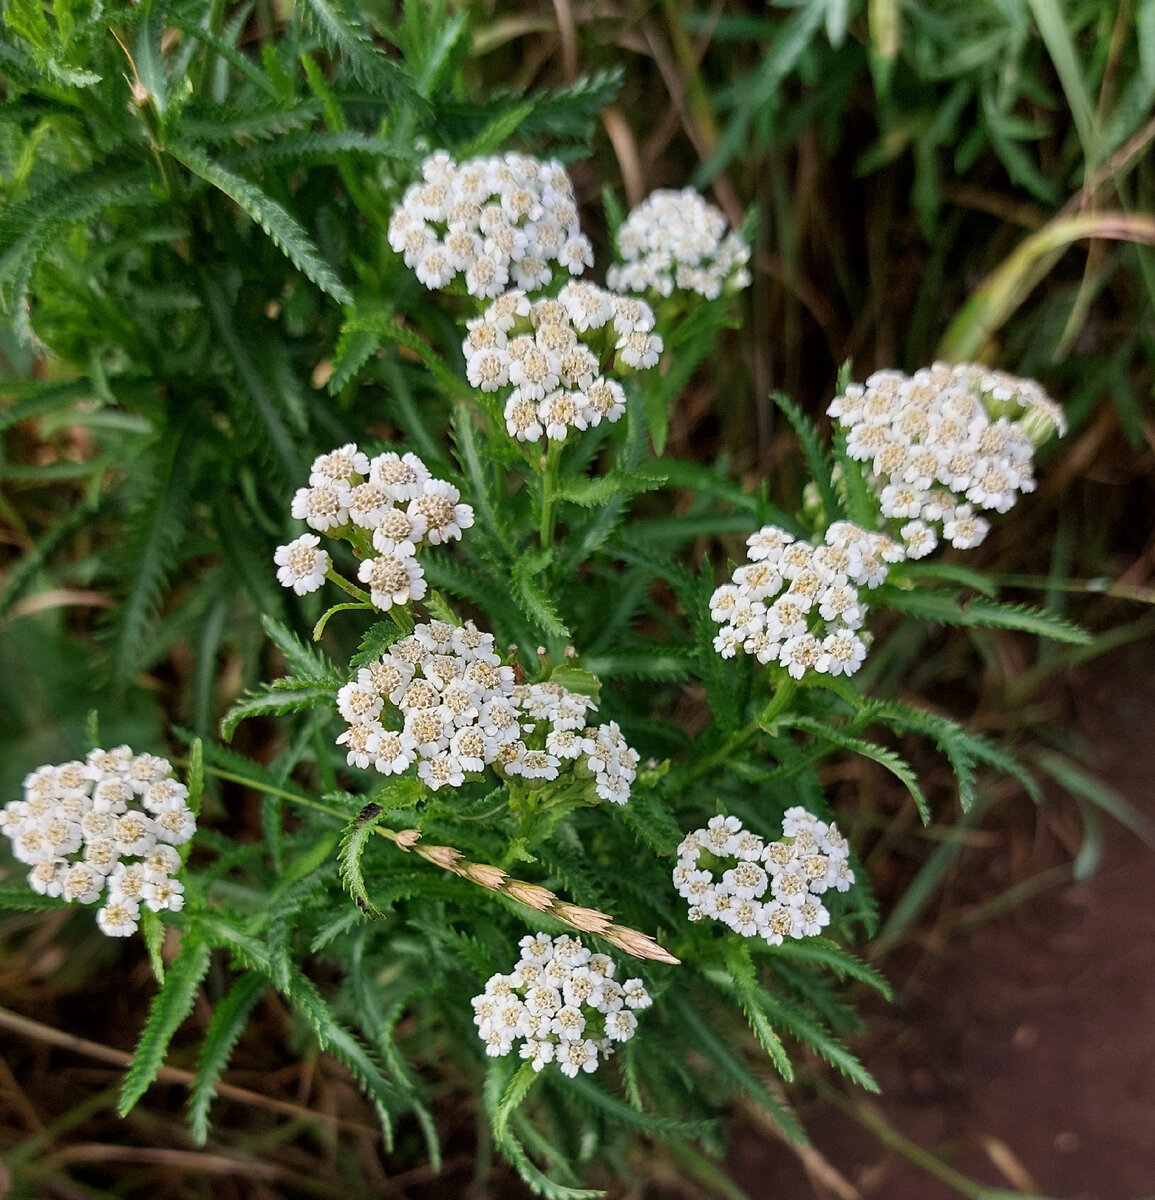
(532, 895)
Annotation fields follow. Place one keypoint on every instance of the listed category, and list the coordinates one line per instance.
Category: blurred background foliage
(200, 298)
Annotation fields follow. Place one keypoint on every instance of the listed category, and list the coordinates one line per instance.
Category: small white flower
(340, 465)
(402, 477)
(175, 826)
(577, 1055)
(163, 895)
(323, 506)
(396, 577)
(360, 741)
(445, 517)
(118, 918)
(301, 565)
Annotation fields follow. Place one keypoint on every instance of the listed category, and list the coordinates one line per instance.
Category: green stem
(216, 24)
(334, 576)
(870, 1118)
(783, 694)
(260, 786)
(549, 478)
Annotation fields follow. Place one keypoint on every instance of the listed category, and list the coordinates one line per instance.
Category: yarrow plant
(459, 711)
(533, 727)
(385, 507)
(105, 828)
(677, 241)
(798, 604)
(945, 444)
(563, 1002)
(497, 221)
(555, 356)
(811, 858)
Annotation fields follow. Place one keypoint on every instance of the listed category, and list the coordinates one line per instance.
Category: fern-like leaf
(531, 598)
(944, 607)
(24, 899)
(226, 1026)
(356, 55)
(385, 326)
(357, 835)
(151, 548)
(286, 232)
(169, 1008)
(304, 149)
(813, 1035)
(823, 952)
(707, 1041)
(374, 642)
(275, 699)
(744, 987)
(819, 461)
(308, 663)
(648, 1123)
(29, 229)
(893, 762)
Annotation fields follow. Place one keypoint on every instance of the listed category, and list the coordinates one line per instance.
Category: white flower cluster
(799, 604)
(563, 1002)
(552, 352)
(676, 240)
(391, 501)
(105, 825)
(811, 858)
(460, 711)
(497, 221)
(943, 444)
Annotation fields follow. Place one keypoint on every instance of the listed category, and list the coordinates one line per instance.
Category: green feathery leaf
(743, 986)
(823, 952)
(357, 55)
(309, 663)
(819, 461)
(24, 899)
(812, 1034)
(531, 598)
(151, 543)
(172, 1003)
(275, 699)
(599, 490)
(357, 835)
(226, 1026)
(286, 232)
(944, 607)
(893, 762)
(374, 642)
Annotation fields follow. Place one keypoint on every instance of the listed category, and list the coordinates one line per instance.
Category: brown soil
(1022, 1052)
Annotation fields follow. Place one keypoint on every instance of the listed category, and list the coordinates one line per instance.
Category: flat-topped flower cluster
(945, 444)
(499, 221)
(562, 1002)
(460, 710)
(677, 240)
(811, 858)
(108, 827)
(799, 604)
(554, 354)
(390, 505)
